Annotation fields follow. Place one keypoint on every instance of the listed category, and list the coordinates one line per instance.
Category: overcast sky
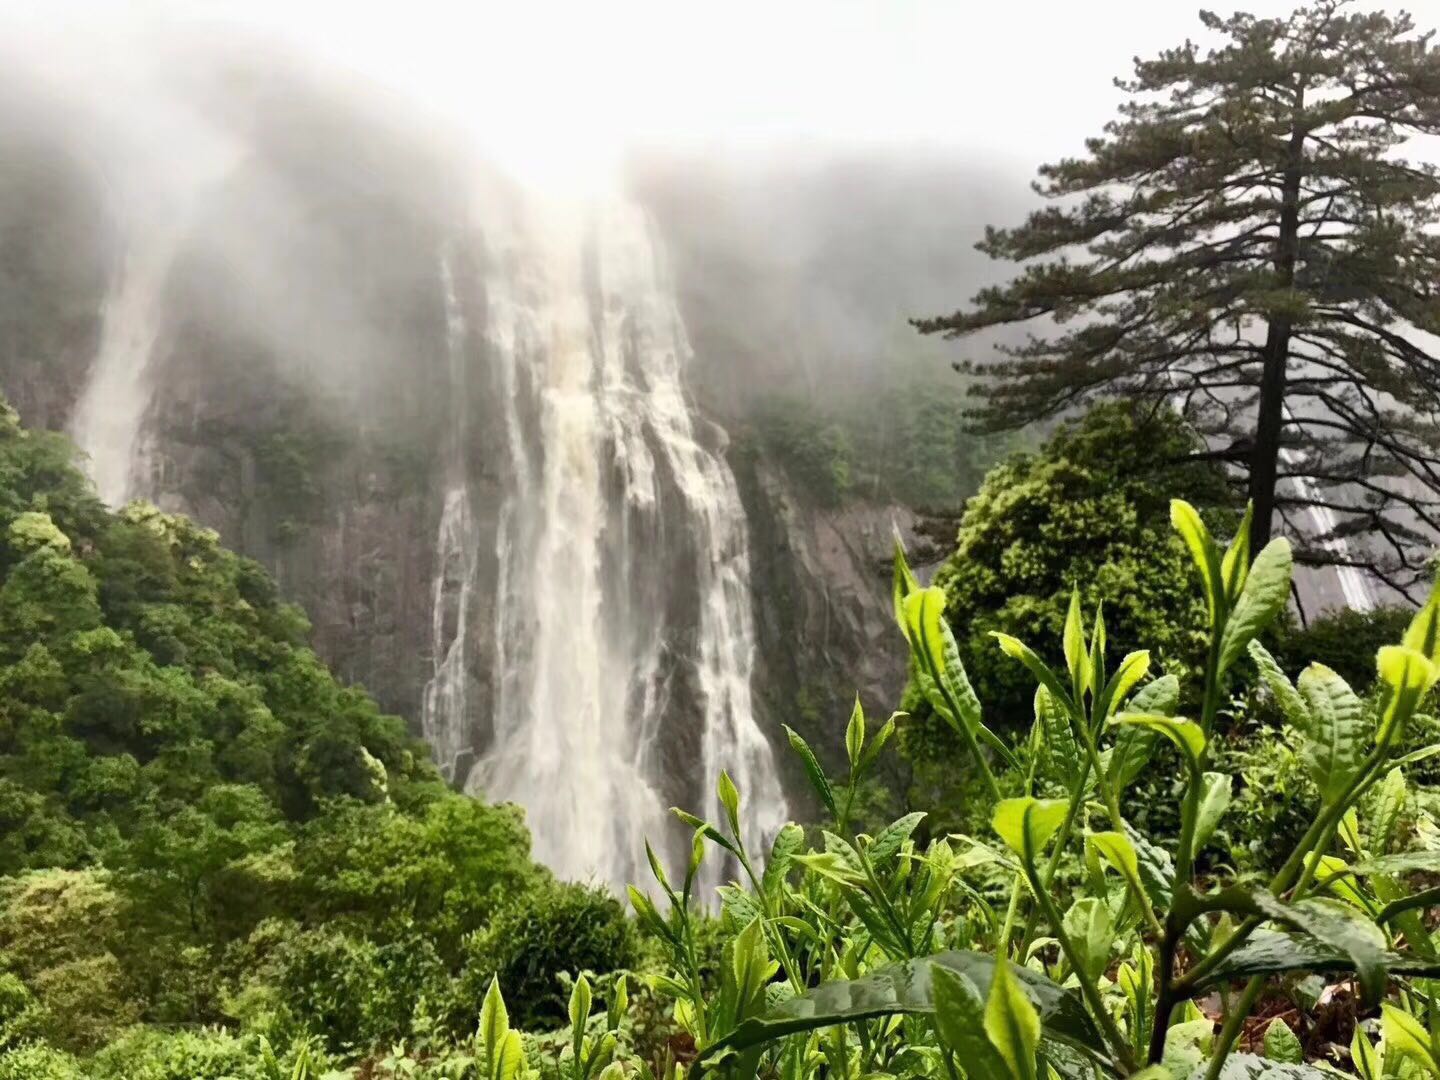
(556, 87)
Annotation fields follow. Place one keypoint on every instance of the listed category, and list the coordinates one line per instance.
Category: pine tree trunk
(1269, 424)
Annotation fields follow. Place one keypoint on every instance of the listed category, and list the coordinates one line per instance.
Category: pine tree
(1245, 241)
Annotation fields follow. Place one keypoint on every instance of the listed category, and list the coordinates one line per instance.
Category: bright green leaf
(1012, 1022)
(1266, 592)
(1027, 824)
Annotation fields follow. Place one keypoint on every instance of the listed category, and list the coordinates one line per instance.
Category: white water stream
(618, 515)
(111, 408)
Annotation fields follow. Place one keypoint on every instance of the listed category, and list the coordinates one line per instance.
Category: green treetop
(1244, 239)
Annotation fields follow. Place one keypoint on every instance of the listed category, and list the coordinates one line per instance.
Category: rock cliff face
(357, 376)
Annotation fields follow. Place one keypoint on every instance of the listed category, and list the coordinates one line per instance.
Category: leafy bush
(1084, 511)
(36, 1061)
(882, 954)
(564, 927)
(206, 1054)
(1344, 641)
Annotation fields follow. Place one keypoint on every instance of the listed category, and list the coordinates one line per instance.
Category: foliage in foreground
(1079, 512)
(865, 955)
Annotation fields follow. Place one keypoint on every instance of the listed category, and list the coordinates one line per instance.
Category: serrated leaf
(883, 736)
(936, 654)
(813, 772)
(1250, 1067)
(1273, 952)
(1215, 793)
(829, 865)
(580, 1003)
(506, 1062)
(494, 1018)
(1161, 697)
(855, 734)
(1016, 649)
(1407, 1037)
(1292, 705)
(1187, 1045)
(1337, 736)
(1266, 592)
(1185, 734)
(1406, 676)
(788, 842)
(1369, 1065)
(738, 906)
(960, 1019)
(1423, 633)
(907, 988)
(1385, 809)
(1157, 868)
(1117, 850)
(1403, 862)
(704, 828)
(1132, 669)
(1281, 1044)
(1091, 930)
(1062, 753)
(1026, 824)
(902, 584)
(1012, 1022)
(1331, 922)
(1186, 521)
(1235, 566)
(889, 839)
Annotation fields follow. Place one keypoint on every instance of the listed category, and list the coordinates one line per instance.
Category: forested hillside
(202, 826)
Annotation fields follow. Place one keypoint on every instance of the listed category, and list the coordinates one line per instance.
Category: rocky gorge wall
(303, 383)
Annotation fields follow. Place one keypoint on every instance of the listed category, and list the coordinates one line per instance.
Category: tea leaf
(1091, 930)
(959, 1017)
(1335, 740)
(1266, 592)
(1026, 824)
(855, 734)
(1281, 1044)
(816, 775)
(1186, 521)
(1012, 1022)
(1407, 1036)
(1215, 793)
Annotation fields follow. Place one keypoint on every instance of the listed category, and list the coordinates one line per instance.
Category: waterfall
(111, 408)
(622, 552)
(444, 715)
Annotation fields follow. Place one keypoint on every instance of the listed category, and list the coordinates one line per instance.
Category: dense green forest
(204, 830)
(219, 862)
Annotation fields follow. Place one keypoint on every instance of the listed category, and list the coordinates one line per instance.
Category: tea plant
(870, 956)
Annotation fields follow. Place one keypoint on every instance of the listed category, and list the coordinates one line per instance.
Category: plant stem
(1234, 1022)
(1117, 1041)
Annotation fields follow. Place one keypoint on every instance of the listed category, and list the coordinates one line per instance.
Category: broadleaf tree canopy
(1245, 240)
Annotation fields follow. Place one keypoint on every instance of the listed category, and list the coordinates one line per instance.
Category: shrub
(204, 1054)
(890, 953)
(564, 927)
(1085, 511)
(1345, 641)
(36, 1061)
(351, 992)
(57, 929)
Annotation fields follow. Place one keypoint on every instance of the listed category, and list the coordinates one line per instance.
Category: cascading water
(111, 408)
(444, 717)
(623, 564)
